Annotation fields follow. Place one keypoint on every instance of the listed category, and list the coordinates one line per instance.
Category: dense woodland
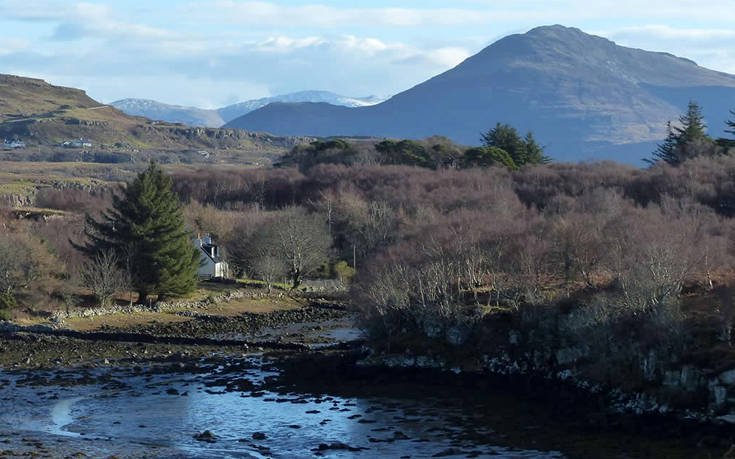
(436, 252)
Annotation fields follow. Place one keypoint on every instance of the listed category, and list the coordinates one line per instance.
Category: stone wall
(59, 317)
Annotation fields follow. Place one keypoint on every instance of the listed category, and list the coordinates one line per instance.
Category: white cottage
(212, 265)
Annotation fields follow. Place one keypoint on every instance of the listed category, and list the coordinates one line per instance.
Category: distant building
(77, 143)
(212, 265)
(13, 144)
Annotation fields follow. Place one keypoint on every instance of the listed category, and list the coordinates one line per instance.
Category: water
(263, 407)
(61, 416)
(163, 413)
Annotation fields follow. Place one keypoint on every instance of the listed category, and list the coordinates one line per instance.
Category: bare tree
(103, 276)
(15, 271)
(651, 255)
(25, 264)
(302, 241)
(294, 242)
(269, 268)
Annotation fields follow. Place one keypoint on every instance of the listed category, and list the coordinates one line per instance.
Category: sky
(210, 53)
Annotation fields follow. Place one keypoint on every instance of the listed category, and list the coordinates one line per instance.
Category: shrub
(343, 271)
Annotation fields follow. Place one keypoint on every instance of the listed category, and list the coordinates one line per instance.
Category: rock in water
(206, 436)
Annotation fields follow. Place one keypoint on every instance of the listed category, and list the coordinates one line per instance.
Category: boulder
(568, 355)
(206, 436)
(727, 377)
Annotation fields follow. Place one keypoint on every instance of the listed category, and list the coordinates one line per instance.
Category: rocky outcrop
(669, 387)
(15, 200)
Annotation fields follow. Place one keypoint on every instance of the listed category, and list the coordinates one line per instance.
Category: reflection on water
(61, 416)
(166, 411)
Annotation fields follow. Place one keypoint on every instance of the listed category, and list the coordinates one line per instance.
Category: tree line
(501, 146)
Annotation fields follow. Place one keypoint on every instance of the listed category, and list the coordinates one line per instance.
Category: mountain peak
(579, 93)
(555, 29)
(568, 53)
(565, 37)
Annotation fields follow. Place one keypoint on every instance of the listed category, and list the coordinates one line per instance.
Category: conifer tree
(534, 153)
(686, 141)
(145, 229)
(692, 124)
(521, 150)
(729, 143)
(486, 157)
(666, 151)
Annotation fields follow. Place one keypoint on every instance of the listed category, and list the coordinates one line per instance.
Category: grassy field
(49, 173)
(20, 181)
(229, 309)
(17, 187)
(253, 302)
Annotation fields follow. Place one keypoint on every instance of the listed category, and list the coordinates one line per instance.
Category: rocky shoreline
(602, 407)
(572, 423)
(42, 346)
(305, 342)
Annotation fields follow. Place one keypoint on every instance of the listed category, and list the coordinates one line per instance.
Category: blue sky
(210, 53)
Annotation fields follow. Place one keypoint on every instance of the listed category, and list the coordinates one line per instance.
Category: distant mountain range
(42, 116)
(151, 109)
(583, 96)
(194, 116)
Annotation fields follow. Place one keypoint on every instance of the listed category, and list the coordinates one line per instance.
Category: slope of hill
(44, 115)
(194, 116)
(583, 96)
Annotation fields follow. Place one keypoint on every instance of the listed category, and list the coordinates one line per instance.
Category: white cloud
(346, 64)
(268, 46)
(287, 44)
(449, 57)
(80, 19)
(575, 11)
(264, 14)
(13, 45)
(261, 14)
(97, 21)
(369, 46)
(350, 47)
(710, 47)
(666, 32)
(41, 10)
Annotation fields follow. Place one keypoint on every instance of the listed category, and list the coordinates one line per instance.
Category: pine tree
(486, 157)
(666, 151)
(145, 229)
(729, 143)
(521, 150)
(506, 137)
(534, 153)
(692, 127)
(684, 142)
